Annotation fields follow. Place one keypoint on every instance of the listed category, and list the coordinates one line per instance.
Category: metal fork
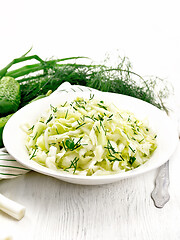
(160, 193)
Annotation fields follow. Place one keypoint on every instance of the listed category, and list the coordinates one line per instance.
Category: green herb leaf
(69, 143)
(132, 160)
(49, 119)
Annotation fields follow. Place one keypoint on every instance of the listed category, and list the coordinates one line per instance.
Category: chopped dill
(33, 154)
(92, 117)
(133, 138)
(80, 125)
(66, 114)
(64, 104)
(120, 115)
(57, 130)
(64, 146)
(100, 117)
(91, 96)
(113, 155)
(77, 144)
(97, 129)
(126, 134)
(54, 109)
(83, 118)
(79, 105)
(75, 108)
(52, 144)
(73, 164)
(49, 119)
(102, 106)
(103, 127)
(35, 135)
(131, 149)
(114, 158)
(110, 147)
(78, 122)
(31, 128)
(141, 140)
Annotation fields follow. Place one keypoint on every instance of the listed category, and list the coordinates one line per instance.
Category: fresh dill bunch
(123, 80)
(37, 79)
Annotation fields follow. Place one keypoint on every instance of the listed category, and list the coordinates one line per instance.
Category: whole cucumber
(9, 95)
(3, 122)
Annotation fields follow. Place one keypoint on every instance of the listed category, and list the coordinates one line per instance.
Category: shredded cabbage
(88, 137)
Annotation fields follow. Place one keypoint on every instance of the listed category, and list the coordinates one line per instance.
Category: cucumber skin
(10, 95)
(3, 122)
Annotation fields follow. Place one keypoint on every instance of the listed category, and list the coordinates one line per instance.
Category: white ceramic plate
(13, 136)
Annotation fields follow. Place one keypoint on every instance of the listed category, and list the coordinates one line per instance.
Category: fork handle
(160, 193)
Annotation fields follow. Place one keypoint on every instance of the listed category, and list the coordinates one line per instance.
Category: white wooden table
(123, 210)
(148, 33)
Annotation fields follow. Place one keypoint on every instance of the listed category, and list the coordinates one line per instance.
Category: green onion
(12, 208)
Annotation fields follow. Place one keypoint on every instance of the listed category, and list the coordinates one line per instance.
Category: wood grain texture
(123, 210)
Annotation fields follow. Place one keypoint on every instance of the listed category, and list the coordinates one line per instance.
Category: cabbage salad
(89, 137)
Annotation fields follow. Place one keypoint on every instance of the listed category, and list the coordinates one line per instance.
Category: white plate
(13, 136)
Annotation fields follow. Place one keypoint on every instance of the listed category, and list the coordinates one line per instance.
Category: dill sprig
(80, 125)
(131, 149)
(66, 114)
(54, 109)
(34, 152)
(30, 129)
(49, 119)
(102, 106)
(112, 154)
(73, 164)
